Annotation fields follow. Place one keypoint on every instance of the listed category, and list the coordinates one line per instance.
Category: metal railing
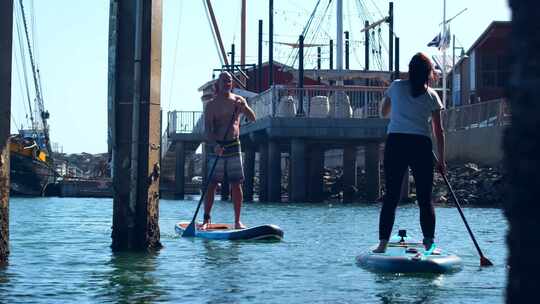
(318, 101)
(478, 115)
(185, 122)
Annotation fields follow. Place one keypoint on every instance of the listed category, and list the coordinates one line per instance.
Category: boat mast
(444, 53)
(35, 73)
(339, 39)
(215, 30)
(243, 35)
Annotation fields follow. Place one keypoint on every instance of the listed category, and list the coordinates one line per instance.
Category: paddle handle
(459, 209)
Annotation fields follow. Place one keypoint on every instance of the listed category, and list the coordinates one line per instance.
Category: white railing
(185, 122)
(318, 101)
(478, 115)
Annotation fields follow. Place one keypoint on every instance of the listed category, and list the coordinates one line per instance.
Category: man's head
(224, 83)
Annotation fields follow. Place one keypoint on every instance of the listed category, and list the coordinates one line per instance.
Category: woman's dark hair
(420, 69)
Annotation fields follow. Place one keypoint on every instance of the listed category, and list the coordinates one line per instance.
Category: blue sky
(72, 36)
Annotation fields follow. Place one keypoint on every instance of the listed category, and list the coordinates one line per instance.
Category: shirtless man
(217, 117)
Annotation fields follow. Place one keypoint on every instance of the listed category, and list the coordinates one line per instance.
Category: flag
(442, 40)
(445, 41)
(435, 41)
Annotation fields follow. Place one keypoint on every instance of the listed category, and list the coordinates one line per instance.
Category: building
(482, 73)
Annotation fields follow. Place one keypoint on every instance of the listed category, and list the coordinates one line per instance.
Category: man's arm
(245, 109)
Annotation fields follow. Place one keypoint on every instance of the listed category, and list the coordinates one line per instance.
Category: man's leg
(237, 198)
(208, 203)
(235, 172)
(213, 179)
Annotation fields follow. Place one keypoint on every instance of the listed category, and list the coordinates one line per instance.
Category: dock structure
(6, 39)
(285, 140)
(183, 135)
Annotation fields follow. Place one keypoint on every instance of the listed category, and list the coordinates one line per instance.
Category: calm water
(60, 253)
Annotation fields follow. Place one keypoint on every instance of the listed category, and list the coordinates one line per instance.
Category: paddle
(190, 229)
(483, 260)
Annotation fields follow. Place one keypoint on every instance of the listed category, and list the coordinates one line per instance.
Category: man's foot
(382, 247)
(239, 225)
(206, 223)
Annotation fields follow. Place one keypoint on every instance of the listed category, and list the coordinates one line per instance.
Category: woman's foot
(428, 242)
(382, 246)
(239, 225)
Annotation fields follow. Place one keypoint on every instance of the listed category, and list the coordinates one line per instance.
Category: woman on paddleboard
(415, 111)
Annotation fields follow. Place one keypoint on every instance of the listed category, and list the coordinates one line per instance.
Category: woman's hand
(441, 166)
(218, 149)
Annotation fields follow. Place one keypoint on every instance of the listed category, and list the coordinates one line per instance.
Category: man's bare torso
(219, 111)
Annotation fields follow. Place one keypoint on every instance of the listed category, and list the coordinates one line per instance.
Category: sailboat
(31, 162)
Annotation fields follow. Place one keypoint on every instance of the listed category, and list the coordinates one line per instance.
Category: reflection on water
(408, 288)
(133, 278)
(68, 259)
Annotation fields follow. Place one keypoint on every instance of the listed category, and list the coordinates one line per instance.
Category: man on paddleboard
(221, 111)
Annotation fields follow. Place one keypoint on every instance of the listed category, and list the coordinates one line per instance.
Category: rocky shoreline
(473, 184)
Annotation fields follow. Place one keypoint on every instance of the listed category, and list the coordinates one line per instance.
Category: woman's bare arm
(438, 131)
(386, 106)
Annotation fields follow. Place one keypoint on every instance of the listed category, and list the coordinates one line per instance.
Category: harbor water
(60, 253)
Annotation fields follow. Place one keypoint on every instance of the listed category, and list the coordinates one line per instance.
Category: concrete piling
(263, 172)
(249, 172)
(179, 173)
(274, 171)
(316, 172)
(349, 172)
(373, 174)
(298, 170)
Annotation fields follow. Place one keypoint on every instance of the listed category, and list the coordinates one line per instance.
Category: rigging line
(353, 49)
(294, 52)
(34, 32)
(23, 65)
(378, 10)
(35, 74)
(175, 54)
(307, 27)
(15, 121)
(373, 41)
(318, 30)
(221, 59)
(19, 78)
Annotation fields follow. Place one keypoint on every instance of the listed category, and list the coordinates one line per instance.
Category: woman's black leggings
(402, 151)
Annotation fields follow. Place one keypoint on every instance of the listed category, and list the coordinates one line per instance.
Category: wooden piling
(6, 38)
(137, 78)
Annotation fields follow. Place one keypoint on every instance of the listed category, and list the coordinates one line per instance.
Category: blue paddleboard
(226, 232)
(405, 255)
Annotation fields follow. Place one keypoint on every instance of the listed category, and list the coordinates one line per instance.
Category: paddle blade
(190, 230)
(485, 261)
